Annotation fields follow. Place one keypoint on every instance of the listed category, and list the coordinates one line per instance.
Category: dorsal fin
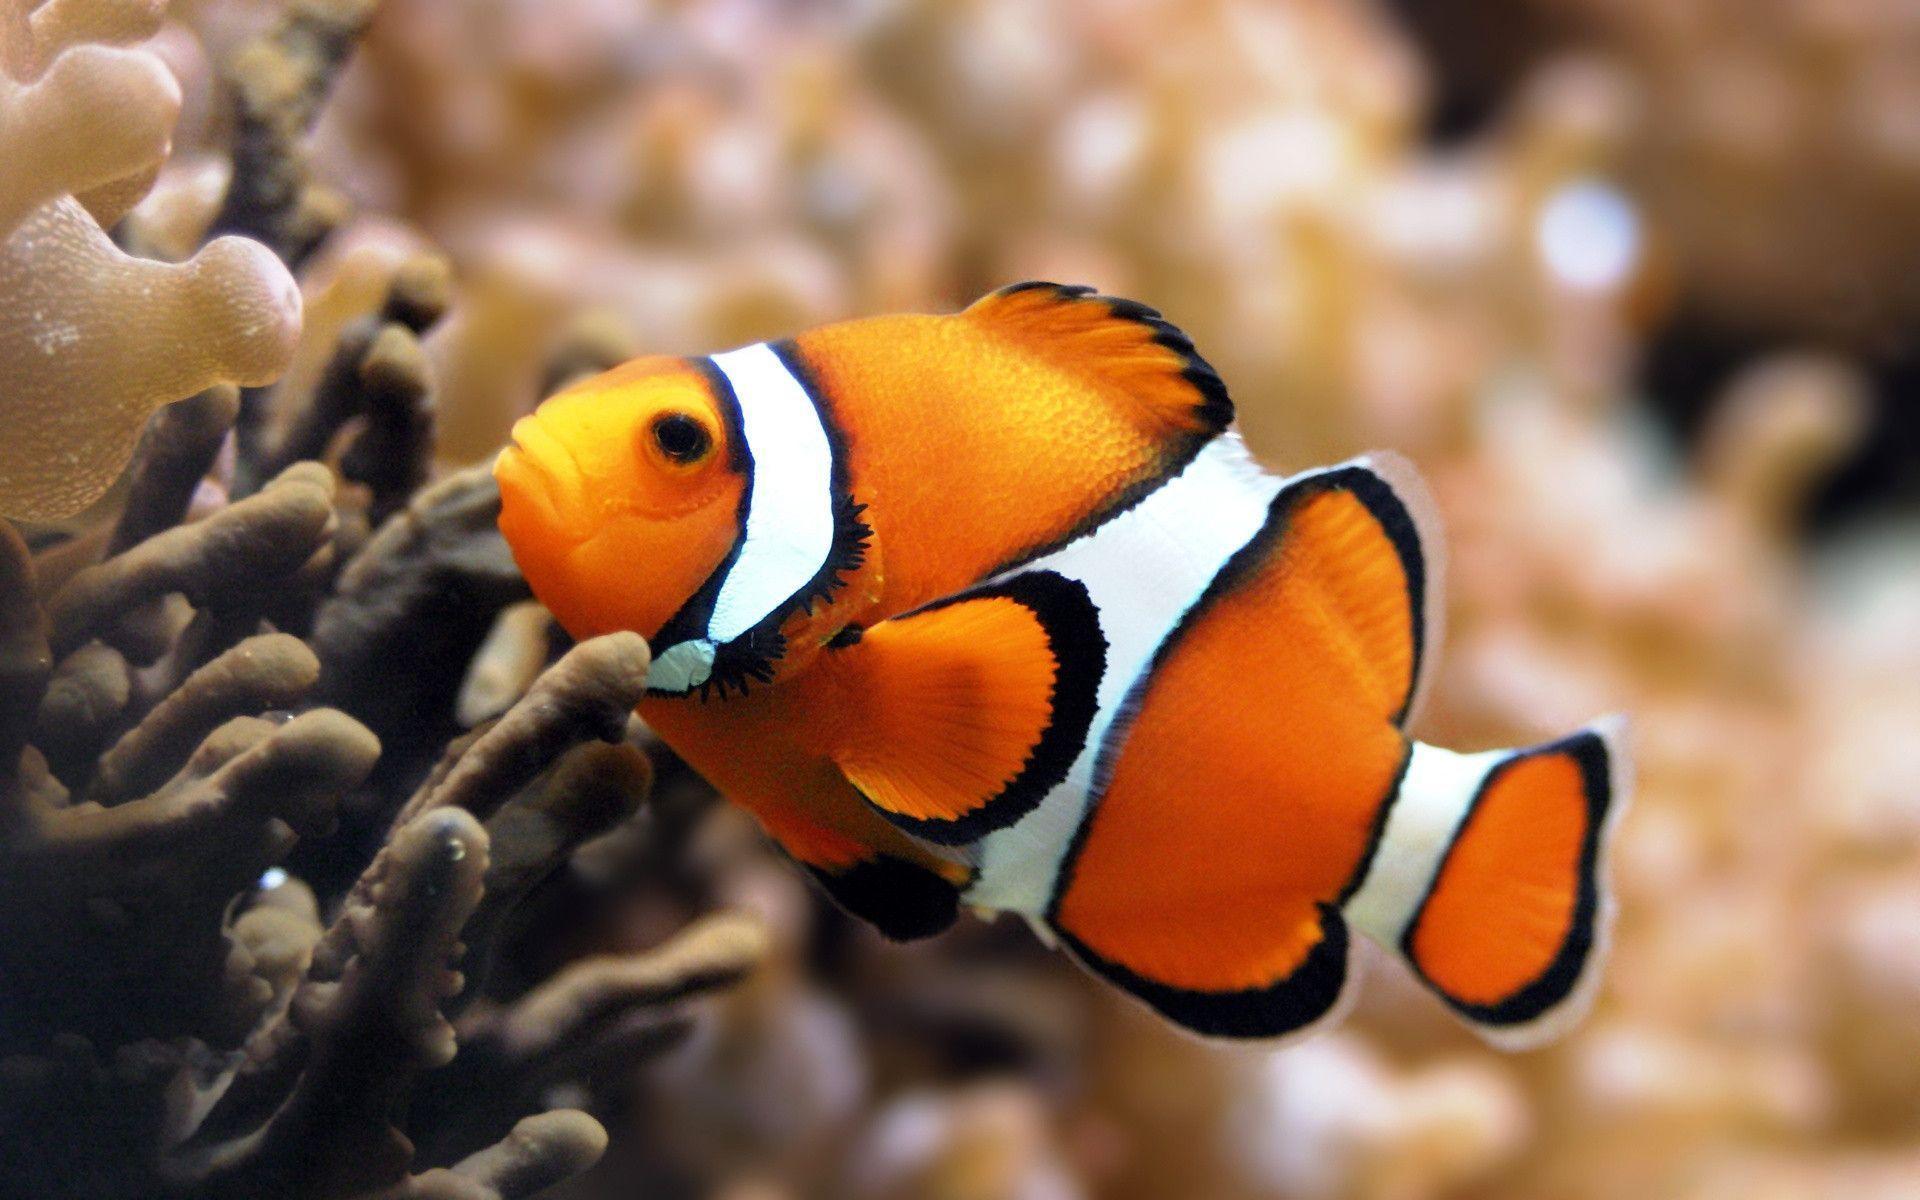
(1121, 342)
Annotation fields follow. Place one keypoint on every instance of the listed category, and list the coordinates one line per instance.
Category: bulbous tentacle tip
(105, 112)
(252, 304)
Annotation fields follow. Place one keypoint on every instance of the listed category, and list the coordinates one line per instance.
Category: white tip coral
(92, 341)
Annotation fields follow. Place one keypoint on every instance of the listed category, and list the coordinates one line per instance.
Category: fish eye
(681, 438)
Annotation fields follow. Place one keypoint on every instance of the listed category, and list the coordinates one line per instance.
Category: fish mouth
(531, 438)
(537, 473)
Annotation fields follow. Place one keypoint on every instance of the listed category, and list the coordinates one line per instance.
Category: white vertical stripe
(1143, 569)
(789, 529)
(1434, 796)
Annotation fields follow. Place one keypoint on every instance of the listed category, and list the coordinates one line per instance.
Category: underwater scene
(960, 599)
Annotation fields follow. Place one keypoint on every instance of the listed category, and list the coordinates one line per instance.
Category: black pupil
(680, 438)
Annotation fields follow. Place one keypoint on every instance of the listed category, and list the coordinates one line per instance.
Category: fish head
(620, 496)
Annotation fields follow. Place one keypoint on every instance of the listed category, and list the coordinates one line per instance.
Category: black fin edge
(902, 900)
(1532, 1000)
(1371, 490)
(1216, 406)
(1285, 1006)
(1072, 626)
(1216, 409)
(1396, 521)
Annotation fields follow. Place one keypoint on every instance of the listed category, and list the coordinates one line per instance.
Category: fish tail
(1489, 879)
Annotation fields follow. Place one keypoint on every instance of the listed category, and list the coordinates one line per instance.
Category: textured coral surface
(92, 340)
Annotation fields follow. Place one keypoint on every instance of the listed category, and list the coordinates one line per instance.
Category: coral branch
(24, 657)
(97, 115)
(595, 1020)
(180, 447)
(58, 24)
(391, 454)
(407, 614)
(541, 1151)
(235, 552)
(372, 1025)
(586, 695)
(506, 664)
(111, 922)
(93, 341)
(391, 389)
(279, 84)
(84, 701)
(270, 671)
(586, 997)
(593, 788)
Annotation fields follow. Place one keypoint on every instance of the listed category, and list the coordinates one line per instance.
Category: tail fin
(1490, 880)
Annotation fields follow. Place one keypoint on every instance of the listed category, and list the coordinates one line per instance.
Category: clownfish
(994, 608)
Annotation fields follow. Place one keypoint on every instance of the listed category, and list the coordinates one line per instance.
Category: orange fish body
(994, 608)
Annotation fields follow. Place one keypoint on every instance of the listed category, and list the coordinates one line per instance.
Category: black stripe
(690, 621)
(1239, 569)
(751, 656)
(1279, 1008)
(1529, 1001)
(1072, 625)
(1379, 829)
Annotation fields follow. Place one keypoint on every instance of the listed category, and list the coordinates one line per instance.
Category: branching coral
(249, 1050)
(241, 939)
(409, 612)
(220, 1047)
(280, 82)
(377, 376)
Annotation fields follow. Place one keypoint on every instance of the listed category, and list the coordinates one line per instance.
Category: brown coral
(184, 1017)
(215, 1037)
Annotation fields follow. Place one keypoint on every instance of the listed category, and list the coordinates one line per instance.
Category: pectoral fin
(957, 719)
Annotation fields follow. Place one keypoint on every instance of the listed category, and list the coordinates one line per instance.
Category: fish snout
(540, 482)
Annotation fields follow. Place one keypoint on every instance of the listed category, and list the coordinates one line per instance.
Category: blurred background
(1636, 282)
